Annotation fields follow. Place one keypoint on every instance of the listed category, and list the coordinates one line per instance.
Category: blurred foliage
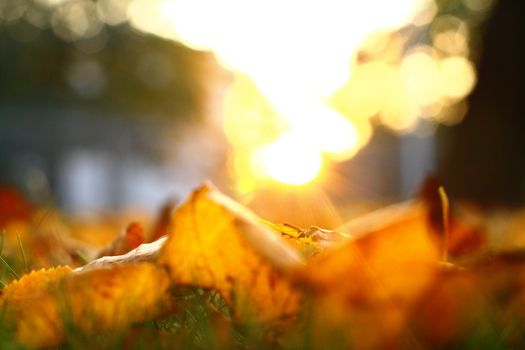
(114, 67)
(383, 284)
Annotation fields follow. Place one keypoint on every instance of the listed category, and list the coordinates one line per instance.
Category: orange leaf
(216, 243)
(18, 294)
(129, 239)
(93, 300)
(365, 287)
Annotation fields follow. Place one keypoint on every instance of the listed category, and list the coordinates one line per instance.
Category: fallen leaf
(464, 236)
(13, 206)
(20, 293)
(485, 298)
(216, 243)
(128, 239)
(308, 242)
(146, 252)
(163, 224)
(364, 289)
(93, 300)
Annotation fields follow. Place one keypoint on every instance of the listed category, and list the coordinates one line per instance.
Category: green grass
(8, 263)
(26, 270)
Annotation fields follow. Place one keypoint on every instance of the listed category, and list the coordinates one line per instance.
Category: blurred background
(308, 112)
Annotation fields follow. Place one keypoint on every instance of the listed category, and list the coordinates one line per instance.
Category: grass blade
(22, 251)
(445, 206)
(13, 272)
(2, 235)
(83, 257)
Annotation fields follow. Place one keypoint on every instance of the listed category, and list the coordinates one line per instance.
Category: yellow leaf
(216, 243)
(16, 295)
(94, 300)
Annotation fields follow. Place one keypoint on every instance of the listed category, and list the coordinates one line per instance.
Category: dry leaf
(13, 206)
(445, 311)
(308, 242)
(93, 300)
(146, 252)
(216, 243)
(380, 286)
(487, 296)
(129, 239)
(163, 223)
(21, 293)
(366, 287)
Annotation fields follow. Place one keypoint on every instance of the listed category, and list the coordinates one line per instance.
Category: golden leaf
(216, 243)
(19, 293)
(94, 300)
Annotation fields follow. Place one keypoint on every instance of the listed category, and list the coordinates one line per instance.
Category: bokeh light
(458, 77)
(320, 73)
(294, 68)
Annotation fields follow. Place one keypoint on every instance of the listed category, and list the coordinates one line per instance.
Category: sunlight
(288, 58)
(299, 98)
(290, 160)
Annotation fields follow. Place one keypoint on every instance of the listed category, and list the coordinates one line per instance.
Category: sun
(290, 160)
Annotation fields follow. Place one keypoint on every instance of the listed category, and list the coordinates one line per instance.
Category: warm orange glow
(322, 73)
(300, 95)
(288, 58)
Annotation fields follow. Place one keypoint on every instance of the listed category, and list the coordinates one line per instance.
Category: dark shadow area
(483, 158)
